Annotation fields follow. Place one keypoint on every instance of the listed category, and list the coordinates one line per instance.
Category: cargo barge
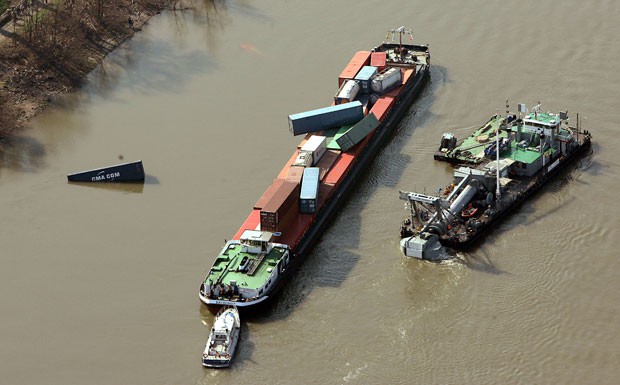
(500, 165)
(339, 142)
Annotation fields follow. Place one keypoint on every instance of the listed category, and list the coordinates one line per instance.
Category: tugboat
(338, 142)
(489, 183)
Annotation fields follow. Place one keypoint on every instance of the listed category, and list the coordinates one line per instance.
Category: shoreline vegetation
(48, 47)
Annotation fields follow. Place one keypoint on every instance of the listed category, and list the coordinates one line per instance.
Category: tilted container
(347, 92)
(358, 132)
(325, 118)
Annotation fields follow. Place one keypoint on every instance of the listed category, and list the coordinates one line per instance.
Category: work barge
(498, 167)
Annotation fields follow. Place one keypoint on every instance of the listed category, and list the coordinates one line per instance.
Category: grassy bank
(52, 46)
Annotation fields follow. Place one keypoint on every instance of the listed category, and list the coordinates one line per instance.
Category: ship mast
(400, 31)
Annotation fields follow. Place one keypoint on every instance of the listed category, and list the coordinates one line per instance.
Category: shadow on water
(326, 266)
(164, 64)
(151, 179)
(163, 69)
(478, 261)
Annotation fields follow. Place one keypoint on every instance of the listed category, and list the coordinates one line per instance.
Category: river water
(99, 284)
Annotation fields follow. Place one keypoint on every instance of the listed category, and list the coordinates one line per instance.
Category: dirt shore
(35, 71)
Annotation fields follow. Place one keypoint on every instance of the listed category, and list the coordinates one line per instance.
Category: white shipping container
(387, 80)
(347, 92)
(304, 159)
(316, 145)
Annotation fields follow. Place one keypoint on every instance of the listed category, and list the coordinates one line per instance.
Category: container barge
(340, 140)
(500, 165)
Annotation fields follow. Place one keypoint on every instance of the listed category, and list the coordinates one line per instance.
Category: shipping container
(386, 81)
(295, 173)
(282, 206)
(316, 145)
(269, 193)
(382, 106)
(325, 118)
(364, 76)
(325, 192)
(308, 197)
(358, 132)
(378, 59)
(347, 92)
(339, 168)
(304, 159)
(295, 229)
(359, 60)
(333, 134)
(327, 162)
(284, 171)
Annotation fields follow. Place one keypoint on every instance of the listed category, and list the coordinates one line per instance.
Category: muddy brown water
(99, 283)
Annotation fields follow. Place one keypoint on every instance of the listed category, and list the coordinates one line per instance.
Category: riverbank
(50, 54)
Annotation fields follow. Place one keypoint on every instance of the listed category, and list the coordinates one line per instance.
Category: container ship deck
(339, 142)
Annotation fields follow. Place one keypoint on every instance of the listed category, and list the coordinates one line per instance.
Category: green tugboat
(488, 182)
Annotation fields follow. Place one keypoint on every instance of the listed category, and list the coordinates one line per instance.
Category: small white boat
(223, 338)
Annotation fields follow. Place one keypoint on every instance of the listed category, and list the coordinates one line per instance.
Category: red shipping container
(269, 193)
(282, 204)
(359, 60)
(340, 167)
(295, 173)
(382, 106)
(295, 229)
(325, 192)
(378, 59)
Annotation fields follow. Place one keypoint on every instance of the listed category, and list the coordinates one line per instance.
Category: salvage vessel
(500, 165)
(340, 140)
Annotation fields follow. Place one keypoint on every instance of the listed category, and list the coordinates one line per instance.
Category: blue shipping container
(325, 118)
(309, 195)
(364, 76)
